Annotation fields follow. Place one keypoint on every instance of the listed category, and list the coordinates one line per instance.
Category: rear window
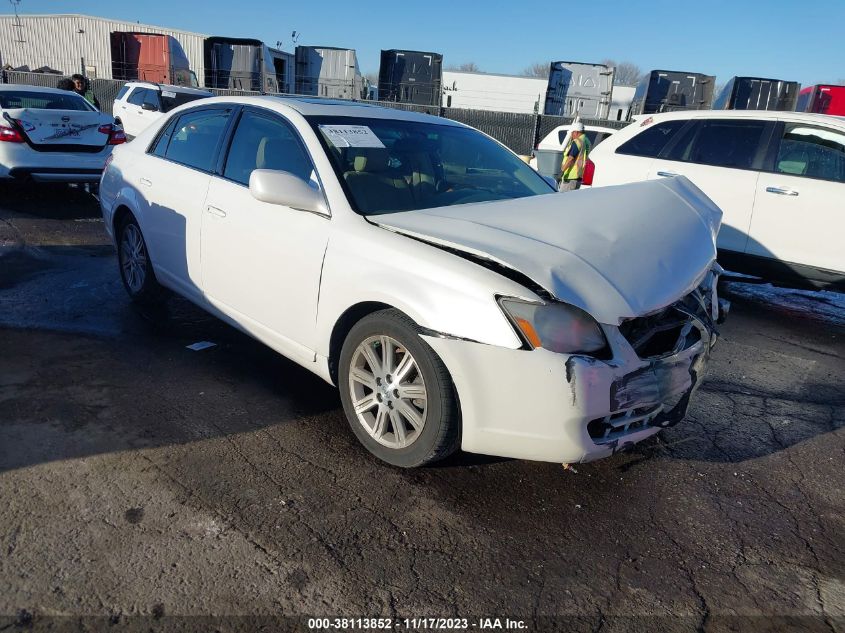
(171, 100)
(651, 141)
(194, 140)
(14, 99)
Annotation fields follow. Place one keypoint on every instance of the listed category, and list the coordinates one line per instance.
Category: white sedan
(52, 135)
(453, 297)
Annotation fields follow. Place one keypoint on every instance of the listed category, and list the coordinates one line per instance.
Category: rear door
(722, 157)
(799, 211)
(172, 179)
(631, 161)
(261, 262)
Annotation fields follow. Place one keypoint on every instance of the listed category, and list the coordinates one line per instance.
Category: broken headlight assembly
(557, 327)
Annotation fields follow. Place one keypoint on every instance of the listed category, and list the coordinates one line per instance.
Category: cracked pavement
(139, 478)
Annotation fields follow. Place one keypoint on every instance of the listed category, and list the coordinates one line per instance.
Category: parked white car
(779, 178)
(557, 139)
(453, 297)
(52, 135)
(140, 103)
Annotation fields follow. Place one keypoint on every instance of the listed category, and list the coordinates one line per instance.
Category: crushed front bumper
(545, 406)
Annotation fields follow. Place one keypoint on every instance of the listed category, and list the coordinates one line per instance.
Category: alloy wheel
(388, 391)
(133, 258)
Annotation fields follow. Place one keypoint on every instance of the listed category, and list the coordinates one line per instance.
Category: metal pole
(82, 65)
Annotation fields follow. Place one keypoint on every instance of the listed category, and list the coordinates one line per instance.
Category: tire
(138, 277)
(384, 409)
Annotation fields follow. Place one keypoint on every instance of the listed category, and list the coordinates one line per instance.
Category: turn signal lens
(589, 172)
(557, 327)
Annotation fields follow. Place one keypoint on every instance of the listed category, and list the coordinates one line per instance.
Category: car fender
(441, 291)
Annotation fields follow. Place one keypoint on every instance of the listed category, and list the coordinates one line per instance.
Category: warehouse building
(72, 43)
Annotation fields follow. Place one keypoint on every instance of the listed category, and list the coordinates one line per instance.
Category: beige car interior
(395, 179)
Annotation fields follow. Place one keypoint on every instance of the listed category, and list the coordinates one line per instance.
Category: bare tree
(537, 69)
(840, 82)
(372, 77)
(467, 67)
(626, 73)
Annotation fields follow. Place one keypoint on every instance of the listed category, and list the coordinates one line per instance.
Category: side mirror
(149, 106)
(283, 188)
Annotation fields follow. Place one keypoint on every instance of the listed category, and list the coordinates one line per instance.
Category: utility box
(410, 77)
(758, 93)
(579, 89)
(671, 90)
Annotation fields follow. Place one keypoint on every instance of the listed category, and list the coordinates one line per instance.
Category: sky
(783, 39)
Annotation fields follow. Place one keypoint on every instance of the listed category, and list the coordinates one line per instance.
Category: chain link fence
(520, 132)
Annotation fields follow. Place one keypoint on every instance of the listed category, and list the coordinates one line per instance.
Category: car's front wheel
(397, 393)
(136, 269)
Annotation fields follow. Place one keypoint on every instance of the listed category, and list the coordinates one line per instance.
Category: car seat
(375, 186)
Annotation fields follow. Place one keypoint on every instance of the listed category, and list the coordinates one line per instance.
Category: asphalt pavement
(145, 485)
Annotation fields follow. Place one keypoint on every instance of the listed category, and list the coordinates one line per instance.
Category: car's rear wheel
(136, 269)
(397, 394)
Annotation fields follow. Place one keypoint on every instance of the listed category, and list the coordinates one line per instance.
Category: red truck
(153, 57)
(822, 99)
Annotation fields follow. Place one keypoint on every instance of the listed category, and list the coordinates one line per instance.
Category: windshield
(14, 99)
(387, 165)
(171, 99)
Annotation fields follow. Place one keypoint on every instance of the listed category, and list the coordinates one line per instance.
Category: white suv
(779, 178)
(139, 103)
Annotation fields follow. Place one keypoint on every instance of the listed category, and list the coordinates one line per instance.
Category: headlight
(556, 327)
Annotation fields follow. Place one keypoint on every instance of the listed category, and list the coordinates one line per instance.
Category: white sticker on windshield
(351, 136)
(167, 93)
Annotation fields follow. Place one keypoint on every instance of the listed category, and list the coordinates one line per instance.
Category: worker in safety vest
(574, 158)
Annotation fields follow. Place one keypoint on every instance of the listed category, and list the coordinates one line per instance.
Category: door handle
(220, 213)
(667, 174)
(146, 183)
(783, 191)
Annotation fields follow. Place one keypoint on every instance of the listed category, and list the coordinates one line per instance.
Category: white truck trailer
(489, 91)
(579, 89)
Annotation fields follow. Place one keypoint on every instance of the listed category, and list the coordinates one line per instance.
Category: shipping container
(487, 91)
(822, 99)
(670, 90)
(579, 89)
(79, 43)
(246, 64)
(410, 77)
(150, 57)
(326, 71)
(758, 93)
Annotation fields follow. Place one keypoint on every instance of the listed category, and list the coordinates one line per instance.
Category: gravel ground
(145, 485)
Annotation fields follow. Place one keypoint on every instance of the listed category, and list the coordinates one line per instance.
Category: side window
(265, 142)
(195, 138)
(137, 96)
(151, 98)
(121, 93)
(159, 148)
(651, 141)
(814, 152)
(682, 148)
(727, 143)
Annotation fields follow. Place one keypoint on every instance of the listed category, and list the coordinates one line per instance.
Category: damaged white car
(453, 297)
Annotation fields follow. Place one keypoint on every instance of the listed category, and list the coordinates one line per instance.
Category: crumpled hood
(616, 252)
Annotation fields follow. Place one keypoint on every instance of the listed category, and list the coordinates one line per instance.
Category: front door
(261, 262)
(799, 212)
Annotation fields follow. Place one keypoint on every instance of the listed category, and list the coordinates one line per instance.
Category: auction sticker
(351, 136)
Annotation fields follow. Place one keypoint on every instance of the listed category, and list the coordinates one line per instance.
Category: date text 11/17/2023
(416, 624)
